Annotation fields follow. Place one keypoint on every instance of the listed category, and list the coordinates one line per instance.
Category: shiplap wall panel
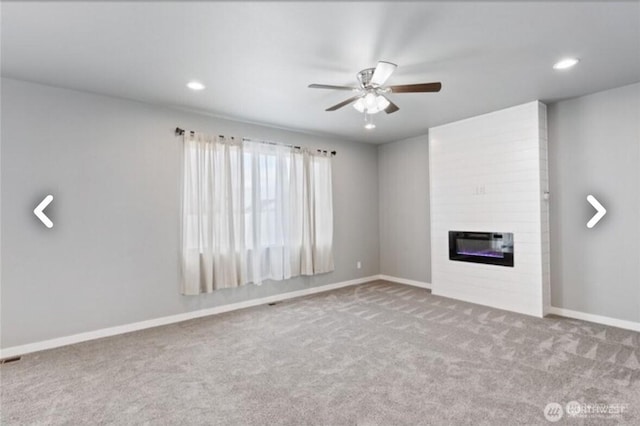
(489, 173)
(544, 208)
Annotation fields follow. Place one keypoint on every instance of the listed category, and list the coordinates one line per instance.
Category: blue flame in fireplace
(481, 253)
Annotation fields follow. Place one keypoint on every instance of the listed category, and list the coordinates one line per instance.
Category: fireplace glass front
(493, 248)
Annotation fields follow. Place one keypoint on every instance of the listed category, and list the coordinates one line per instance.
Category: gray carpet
(374, 354)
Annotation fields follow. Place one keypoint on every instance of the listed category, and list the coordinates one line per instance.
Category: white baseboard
(614, 322)
(171, 319)
(405, 281)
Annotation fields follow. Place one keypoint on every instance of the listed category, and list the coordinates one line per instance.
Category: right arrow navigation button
(600, 211)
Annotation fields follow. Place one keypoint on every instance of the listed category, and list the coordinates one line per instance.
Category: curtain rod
(180, 132)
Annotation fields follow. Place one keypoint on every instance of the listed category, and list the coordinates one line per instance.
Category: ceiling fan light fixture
(370, 100)
(369, 104)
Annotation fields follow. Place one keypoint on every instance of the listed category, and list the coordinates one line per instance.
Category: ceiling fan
(371, 93)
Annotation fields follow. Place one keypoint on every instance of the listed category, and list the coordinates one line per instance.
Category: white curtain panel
(212, 230)
(269, 210)
(253, 211)
(322, 201)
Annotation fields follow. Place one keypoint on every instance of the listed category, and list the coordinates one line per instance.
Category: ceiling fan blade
(329, 86)
(343, 103)
(382, 72)
(415, 88)
(391, 108)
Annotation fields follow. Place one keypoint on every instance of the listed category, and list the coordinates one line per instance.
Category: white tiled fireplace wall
(489, 173)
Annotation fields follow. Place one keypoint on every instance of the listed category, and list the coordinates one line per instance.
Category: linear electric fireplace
(493, 248)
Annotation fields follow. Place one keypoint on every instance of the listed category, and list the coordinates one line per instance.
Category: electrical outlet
(359, 264)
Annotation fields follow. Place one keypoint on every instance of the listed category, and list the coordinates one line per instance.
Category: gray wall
(113, 168)
(403, 179)
(594, 148)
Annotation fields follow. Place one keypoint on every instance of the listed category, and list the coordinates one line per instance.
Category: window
(253, 211)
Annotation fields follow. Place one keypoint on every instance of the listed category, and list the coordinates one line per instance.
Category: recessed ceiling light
(369, 126)
(565, 63)
(195, 85)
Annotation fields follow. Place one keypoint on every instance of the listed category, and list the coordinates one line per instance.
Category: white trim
(171, 319)
(405, 281)
(614, 322)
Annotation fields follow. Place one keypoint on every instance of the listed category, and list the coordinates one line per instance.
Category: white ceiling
(257, 59)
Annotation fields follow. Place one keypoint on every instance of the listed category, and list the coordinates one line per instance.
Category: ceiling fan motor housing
(364, 77)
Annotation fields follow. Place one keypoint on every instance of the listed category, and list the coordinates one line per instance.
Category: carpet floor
(372, 354)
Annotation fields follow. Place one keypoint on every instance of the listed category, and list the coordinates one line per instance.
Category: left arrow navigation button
(38, 211)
